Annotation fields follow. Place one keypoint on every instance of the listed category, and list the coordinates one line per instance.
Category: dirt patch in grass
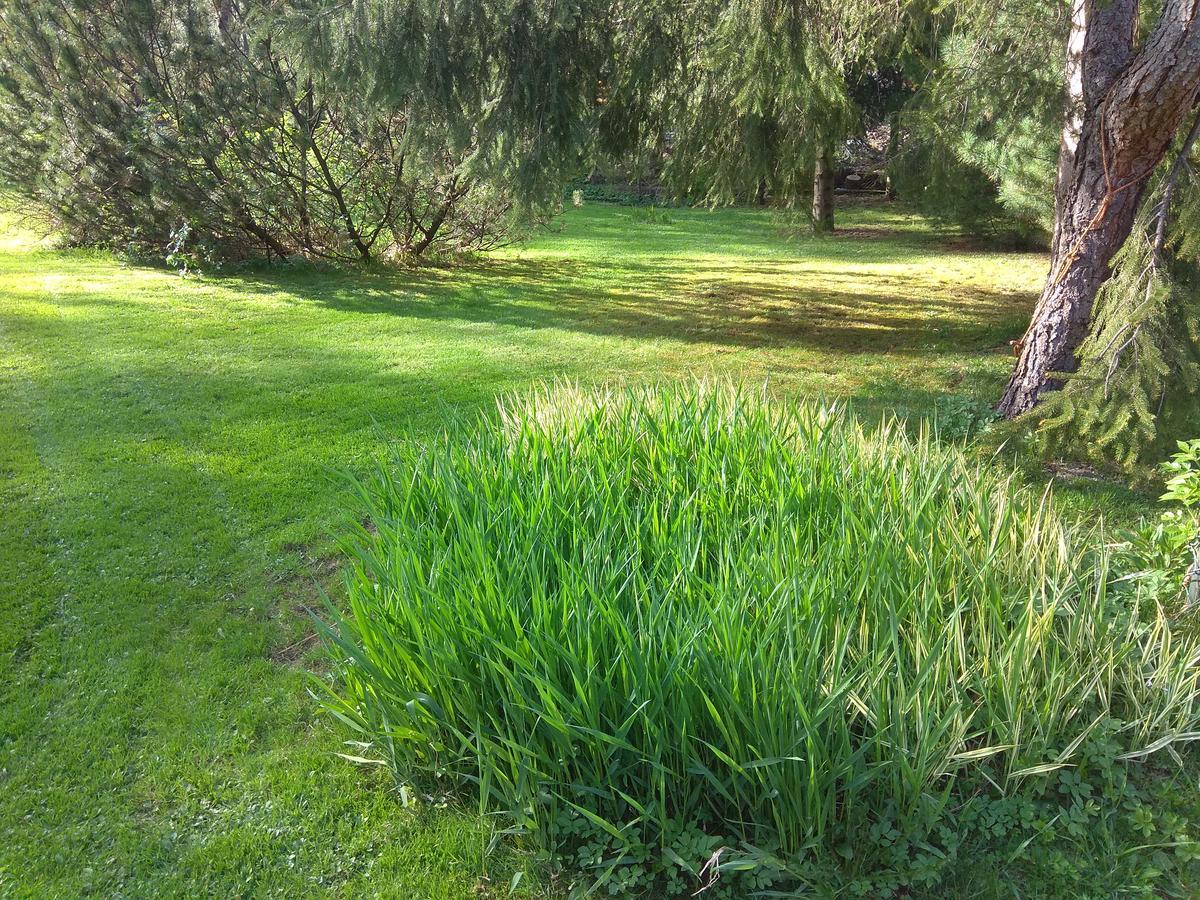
(303, 593)
(1074, 470)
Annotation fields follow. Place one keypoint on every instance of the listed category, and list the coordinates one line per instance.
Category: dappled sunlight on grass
(794, 301)
(166, 445)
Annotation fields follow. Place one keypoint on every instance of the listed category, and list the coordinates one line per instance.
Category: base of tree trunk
(1059, 326)
(822, 208)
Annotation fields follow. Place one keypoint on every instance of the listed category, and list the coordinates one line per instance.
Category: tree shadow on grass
(755, 303)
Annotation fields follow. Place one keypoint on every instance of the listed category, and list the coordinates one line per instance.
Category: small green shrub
(622, 195)
(679, 634)
(1183, 479)
(1164, 554)
(963, 418)
(935, 179)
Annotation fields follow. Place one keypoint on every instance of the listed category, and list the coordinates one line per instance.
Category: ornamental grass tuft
(666, 627)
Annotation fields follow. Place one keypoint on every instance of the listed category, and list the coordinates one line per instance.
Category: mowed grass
(166, 508)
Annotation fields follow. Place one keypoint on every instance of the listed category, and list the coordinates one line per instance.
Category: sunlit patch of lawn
(166, 507)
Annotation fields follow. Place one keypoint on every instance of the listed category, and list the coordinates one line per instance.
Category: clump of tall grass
(629, 614)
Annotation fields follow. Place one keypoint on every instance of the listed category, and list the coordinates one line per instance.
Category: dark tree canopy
(164, 125)
(734, 95)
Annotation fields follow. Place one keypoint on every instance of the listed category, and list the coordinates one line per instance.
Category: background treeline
(235, 128)
(175, 127)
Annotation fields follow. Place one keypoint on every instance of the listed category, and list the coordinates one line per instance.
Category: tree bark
(893, 147)
(454, 193)
(1125, 107)
(822, 206)
(1191, 581)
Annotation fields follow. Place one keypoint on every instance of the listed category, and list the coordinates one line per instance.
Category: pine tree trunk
(306, 136)
(822, 208)
(1085, 239)
(893, 147)
(1191, 581)
(1125, 109)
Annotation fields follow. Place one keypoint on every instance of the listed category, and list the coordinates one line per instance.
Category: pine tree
(170, 127)
(1129, 93)
(741, 98)
(1118, 335)
(1144, 343)
(980, 137)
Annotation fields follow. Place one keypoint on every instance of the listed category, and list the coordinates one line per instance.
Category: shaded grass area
(165, 446)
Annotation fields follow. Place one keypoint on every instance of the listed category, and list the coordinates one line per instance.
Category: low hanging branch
(1154, 269)
(1144, 335)
(1163, 210)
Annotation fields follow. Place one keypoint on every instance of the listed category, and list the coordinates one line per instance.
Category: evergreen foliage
(514, 83)
(169, 127)
(763, 97)
(1144, 347)
(933, 177)
(980, 139)
(723, 100)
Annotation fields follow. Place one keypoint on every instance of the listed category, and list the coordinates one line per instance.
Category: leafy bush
(1183, 478)
(963, 418)
(1165, 554)
(679, 634)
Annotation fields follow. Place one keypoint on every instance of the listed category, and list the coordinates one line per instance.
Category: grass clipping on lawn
(666, 608)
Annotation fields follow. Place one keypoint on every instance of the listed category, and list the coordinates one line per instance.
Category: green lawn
(167, 512)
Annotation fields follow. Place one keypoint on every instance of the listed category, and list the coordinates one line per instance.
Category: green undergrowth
(688, 638)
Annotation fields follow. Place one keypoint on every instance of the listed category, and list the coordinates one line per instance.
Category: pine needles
(1144, 343)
